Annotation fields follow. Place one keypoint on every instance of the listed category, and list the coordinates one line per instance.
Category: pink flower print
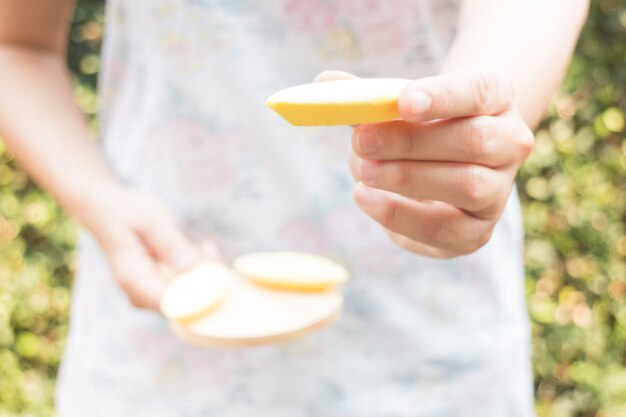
(208, 168)
(362, 8)
(383, 37)
(304, 236)
(181, 134)
(310, 16)
(378, 24)
(193, 159)
(366, 12)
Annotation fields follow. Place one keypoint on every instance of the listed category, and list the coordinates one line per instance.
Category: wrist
(89, 200)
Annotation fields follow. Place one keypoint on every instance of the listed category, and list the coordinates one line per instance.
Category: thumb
(135, 271)
(210, 249)
(168, 244)
(333, 76)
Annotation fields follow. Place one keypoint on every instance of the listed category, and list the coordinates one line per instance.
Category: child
(191, 154)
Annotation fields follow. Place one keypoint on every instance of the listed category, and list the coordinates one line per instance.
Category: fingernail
(420, 102)
(368, 141)
(362, 195)
(368, 170)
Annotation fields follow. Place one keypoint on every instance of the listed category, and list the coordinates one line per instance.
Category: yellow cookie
(291, 270)
(340, 102)
(196, 291)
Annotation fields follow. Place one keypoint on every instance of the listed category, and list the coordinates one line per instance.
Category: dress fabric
(182, 88)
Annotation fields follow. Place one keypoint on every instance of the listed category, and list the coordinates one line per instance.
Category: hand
(439, 179)
(141, 241)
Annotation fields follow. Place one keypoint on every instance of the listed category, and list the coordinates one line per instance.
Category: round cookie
(196, 291)
(291, 271)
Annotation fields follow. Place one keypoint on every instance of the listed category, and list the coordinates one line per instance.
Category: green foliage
(574, 199)
(36, 253)
(36, 243)
(574, 194)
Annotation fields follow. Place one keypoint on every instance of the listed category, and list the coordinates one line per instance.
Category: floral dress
(182, 89)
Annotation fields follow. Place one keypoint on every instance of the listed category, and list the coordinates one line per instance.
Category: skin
(439, 179)
(437, 182)
(136, 231)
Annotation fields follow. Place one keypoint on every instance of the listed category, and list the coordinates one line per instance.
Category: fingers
(352, 159)
(457, 94)
(210, 250)
(432, 225)
(485, 140)
(135, 271)
(439, 179)
(163, 238)
(473, 188)
(333, 75)
(144, 245)
(419, 247)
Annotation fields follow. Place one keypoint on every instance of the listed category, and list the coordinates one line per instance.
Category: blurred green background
(574, 193)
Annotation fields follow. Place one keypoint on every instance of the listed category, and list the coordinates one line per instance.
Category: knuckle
(444, 94)
(397, 238)
(474, 186)
(482, 88)
(124, 280)
(447, 254)
(356, 134)
(124, 272)
(504, 86)
(479, 137)
(353, 166)
(151, 204)
(451, 241)
(432, 232)
(409, 139)
(167, 244)
(480, 238)
(400, 176)
(389, 212)
(142, 221)
(526, 142)
(490, 87)
(406, 242)
(454, 241)
(483, 238)
(135, 302)
(158, 210)
(154, 221)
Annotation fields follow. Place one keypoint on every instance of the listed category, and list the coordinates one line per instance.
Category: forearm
(529, 42)
(46, 131)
